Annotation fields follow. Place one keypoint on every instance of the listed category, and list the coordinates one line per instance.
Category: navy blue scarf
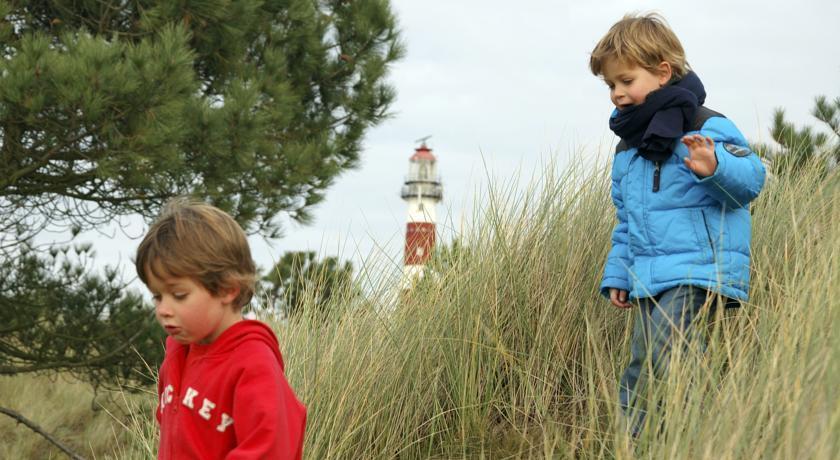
(666, 114)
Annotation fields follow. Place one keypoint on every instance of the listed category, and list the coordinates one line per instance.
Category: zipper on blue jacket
(657, 165)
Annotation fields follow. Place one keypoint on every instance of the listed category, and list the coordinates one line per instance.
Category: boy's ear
(229, 293)
(665, 73)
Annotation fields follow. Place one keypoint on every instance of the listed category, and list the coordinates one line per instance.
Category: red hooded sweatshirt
(228, 399)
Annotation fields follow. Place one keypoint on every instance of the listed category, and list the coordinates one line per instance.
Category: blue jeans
(661, 322)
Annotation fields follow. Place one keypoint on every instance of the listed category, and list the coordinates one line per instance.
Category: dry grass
(507, 351)
(67, 409)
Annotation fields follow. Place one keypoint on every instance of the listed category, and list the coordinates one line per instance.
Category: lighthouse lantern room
(422, 191)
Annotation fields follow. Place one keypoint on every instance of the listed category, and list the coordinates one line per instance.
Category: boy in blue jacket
(682, 180)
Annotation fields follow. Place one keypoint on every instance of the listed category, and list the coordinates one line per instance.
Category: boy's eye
(627, 82)
(156, 298)
(179, 295)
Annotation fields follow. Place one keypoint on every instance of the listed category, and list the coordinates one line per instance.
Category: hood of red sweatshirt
(234, 336)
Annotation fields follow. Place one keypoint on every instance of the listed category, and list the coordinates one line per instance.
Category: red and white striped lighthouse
(422, 192)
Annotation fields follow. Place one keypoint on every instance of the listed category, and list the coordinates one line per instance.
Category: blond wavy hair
(196, 240)
(643, 40)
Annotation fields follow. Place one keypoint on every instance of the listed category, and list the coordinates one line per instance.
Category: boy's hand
(618, 297)
(701, 155)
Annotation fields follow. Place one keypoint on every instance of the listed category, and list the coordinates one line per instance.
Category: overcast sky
(503, 85)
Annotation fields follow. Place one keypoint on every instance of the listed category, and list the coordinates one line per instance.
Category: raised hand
(701, 154)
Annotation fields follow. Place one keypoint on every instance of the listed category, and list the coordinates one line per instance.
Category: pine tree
(110, 107)
(300, 278)
(802, 146)
(57, 316)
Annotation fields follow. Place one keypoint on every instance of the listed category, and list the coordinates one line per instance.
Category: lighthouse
(422, 191)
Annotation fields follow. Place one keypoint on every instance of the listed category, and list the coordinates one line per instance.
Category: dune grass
(103, 426)
(506, 349)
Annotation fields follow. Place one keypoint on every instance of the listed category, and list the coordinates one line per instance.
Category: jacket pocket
(716, 226)
(705, 242)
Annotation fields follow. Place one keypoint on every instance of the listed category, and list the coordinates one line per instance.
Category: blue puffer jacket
(691, 230)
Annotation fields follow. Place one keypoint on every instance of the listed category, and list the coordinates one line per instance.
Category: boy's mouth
(172, 330)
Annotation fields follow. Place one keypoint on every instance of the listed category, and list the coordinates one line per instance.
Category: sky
(504, 86)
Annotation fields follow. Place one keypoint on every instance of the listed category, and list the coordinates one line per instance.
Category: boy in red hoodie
(223, 392)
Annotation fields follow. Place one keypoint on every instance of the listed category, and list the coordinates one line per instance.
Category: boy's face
(630, 84)
(189, 312)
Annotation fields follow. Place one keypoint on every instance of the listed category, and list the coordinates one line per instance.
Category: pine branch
(34, 427)
(92, 362)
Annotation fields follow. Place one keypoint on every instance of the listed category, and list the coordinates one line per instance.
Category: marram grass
(506, 349)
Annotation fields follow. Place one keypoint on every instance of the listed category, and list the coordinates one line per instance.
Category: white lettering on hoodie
(206, 407)
(226, 422)
(188, 398)
(166, 397)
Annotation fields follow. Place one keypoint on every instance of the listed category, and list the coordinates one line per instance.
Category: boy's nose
(162, 309)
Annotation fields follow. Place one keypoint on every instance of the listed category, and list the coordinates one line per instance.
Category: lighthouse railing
(422, 178)
(422, 190)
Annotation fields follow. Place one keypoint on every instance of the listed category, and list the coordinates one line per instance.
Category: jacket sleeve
(268, 419)
(740, 174)
(618, 260)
